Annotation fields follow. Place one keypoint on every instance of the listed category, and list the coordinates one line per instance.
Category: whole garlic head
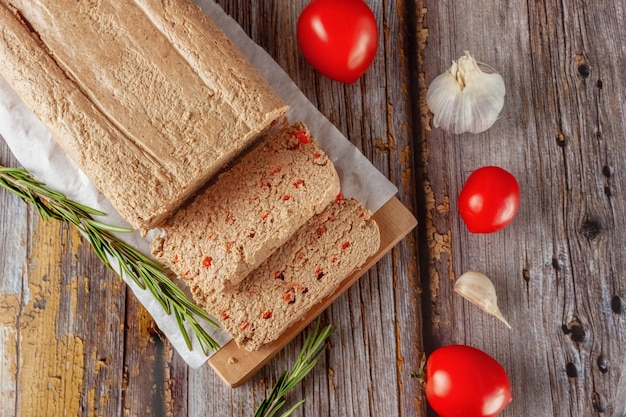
(468, 97)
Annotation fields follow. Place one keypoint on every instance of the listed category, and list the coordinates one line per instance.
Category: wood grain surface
(74, 341)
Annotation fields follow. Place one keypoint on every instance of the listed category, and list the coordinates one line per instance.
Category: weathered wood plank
(57, 362)
(12, 253)
(62, 315)
(557, 266)
(98, 318)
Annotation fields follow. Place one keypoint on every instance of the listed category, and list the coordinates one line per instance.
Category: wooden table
(74, 341)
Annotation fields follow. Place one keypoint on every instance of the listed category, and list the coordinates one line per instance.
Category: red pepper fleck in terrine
(339, 196)
(302, 137)
(245, 326)
(345, 245)
(319, 272)
(206, 262)
(287, 197)
(267, 314)
(298, 183)
(175, 259)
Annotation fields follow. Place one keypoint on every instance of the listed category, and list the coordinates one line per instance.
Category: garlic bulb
(478, 289)
(466, 98)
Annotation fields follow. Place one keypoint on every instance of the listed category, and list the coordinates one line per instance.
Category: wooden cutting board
(235, 366)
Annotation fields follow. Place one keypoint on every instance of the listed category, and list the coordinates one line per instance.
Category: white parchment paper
(37, 151)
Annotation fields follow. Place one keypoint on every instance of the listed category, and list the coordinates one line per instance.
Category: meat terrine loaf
(297, 276)
(149, 98)
(249, 211)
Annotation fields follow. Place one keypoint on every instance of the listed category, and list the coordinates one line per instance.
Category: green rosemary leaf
(179, 319)
(68, 215)
(108, 227)
(98, 246)
(147, 274)
(206, 343)
(197, 311)
(15, 190)
(273, 402)
(124, 251)
(280, 403)
(38, 188)
(314, 345)
(86, 209)
(155, 289)
(45, 213)
(157, 272)
(292, 409)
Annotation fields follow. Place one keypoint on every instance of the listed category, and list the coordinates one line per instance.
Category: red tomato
(489, 200)
(339, 38)
(462, 381)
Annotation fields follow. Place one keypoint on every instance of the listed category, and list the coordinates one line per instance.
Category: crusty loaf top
(174, 97)
(251, 209)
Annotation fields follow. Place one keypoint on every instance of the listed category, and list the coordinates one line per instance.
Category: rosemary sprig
(313, 347)
(146, 273)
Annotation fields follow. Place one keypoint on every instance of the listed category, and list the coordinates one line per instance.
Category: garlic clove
(468, 97)
(478, 289)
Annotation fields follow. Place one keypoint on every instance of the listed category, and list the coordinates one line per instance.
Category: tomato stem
(420, 374)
